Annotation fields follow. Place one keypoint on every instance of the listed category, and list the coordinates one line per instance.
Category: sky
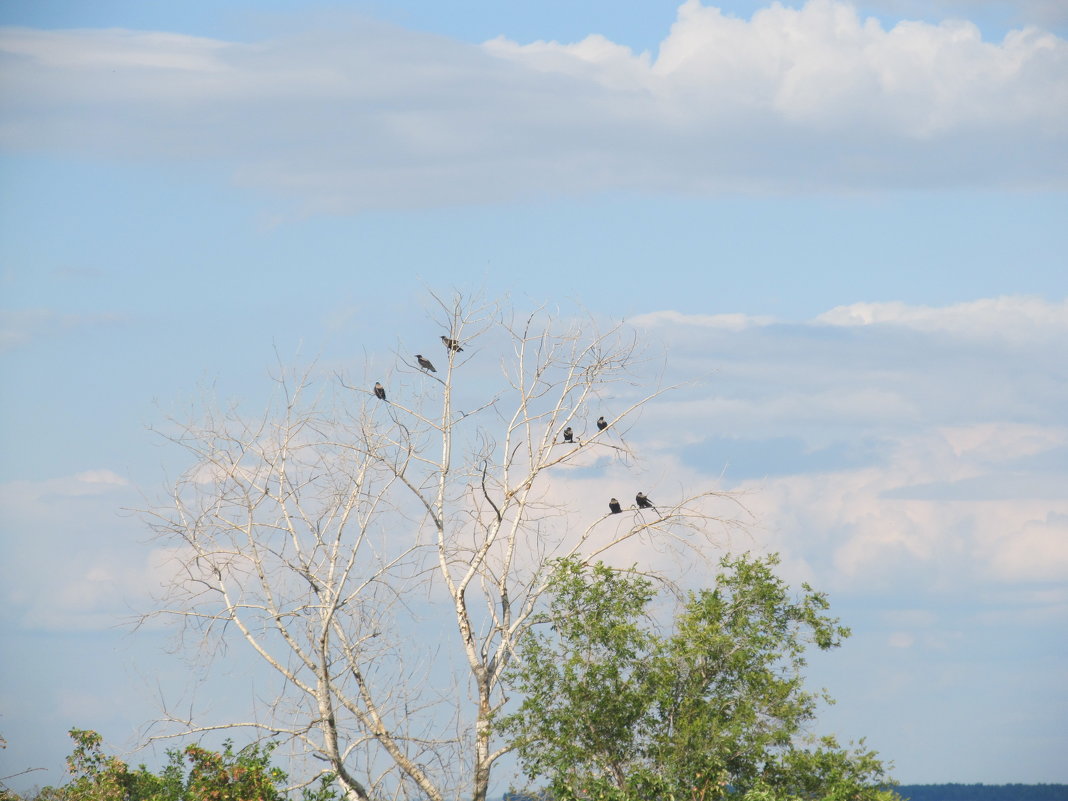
(843, 223)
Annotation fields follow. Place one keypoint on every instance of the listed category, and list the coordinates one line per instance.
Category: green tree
(613, 709)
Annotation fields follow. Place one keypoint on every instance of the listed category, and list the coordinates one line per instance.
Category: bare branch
(384, 558)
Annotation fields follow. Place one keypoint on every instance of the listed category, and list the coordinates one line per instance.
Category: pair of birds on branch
(640, 499)
(569, 434)
(426, 364)
(450, 344)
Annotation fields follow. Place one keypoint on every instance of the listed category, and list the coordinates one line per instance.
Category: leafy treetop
(614, 710)
(244, 775)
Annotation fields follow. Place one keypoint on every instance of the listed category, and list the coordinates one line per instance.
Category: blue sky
(847, 218)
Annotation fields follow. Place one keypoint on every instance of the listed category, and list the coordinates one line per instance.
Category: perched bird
(643, 502)
(614, 506)
(569, 435)
(425, 363)
(380, 391)
(451, 344)
(602, 424)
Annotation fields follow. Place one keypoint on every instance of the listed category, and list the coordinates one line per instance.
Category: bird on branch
(614, 506)
(451, 344)
(569, 435)
(643, 502)
(425, 363)
(380, 391)
(602, 424)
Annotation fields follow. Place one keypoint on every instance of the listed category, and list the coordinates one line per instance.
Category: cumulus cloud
(883, 445)
(859, 534)
(364, 114)
(1030, 546)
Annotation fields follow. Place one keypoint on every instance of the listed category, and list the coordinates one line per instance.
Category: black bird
(602, 424)
(614, 506)
(425, 363)
(643, 502)
(451, 344)
(380, 391)
(569, 435)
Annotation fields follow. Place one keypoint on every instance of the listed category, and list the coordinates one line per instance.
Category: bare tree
(385, 557)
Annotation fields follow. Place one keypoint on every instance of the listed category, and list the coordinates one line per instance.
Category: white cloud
(1013, 318)
(888, 447)
(101, 477)
(1034, 548)
(866, 538)
(365, 115)
(595, 58)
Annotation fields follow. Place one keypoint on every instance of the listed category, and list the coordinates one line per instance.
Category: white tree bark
(326, 535)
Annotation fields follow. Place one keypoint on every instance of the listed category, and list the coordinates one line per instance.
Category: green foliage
(613, 710)
(191, 774)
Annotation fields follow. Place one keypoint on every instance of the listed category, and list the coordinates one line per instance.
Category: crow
(451, 344)
(380, 391)
(614, 506)
(569, 435)
(643, 502)
(425, 363)
(602, 424)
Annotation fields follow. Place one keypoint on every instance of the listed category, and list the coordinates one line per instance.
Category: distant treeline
(936, 792)
(983, 792)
